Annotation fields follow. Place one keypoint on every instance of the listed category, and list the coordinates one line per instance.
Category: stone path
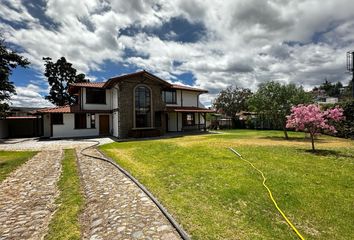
(116, 208)
(27, 197)
(47, 144)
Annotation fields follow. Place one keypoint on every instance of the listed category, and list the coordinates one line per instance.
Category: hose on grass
(173, 222)
(270, 194)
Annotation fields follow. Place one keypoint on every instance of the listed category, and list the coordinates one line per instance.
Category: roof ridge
(87, 83)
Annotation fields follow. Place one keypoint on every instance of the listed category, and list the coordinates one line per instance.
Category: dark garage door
(25, 127)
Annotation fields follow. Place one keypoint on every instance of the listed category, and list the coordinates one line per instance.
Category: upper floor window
(142, 107)
(95, 96)
(169, 97)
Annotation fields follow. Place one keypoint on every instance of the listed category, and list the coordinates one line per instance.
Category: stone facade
(126, 104)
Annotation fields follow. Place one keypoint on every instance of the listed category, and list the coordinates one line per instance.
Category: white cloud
(30, 96)
(245, 42)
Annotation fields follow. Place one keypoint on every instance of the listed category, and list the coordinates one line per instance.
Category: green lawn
(10, 160)
(215, 195)
(65, 222)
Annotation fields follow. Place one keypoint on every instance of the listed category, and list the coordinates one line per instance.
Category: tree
(347, 94)
(326, 86)
(275, 100)
(9, 60)
(345, 128)
(331, 90)
(60, 74)
(232, 100)
(313, 120)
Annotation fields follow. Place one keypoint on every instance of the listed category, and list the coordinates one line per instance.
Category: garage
(24, 126)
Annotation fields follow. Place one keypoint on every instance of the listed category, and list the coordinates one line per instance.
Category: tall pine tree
(59, 75)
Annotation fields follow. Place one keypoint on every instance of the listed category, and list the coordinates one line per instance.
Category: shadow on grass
(293, 139)
(329, 153)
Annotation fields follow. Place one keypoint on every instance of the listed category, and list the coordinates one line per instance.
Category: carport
(24, 126)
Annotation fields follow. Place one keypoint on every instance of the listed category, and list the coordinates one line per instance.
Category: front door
(104, 125)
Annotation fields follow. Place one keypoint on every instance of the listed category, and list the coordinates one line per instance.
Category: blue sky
(200, 43)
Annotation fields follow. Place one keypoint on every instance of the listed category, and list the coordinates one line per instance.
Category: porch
(186, 119)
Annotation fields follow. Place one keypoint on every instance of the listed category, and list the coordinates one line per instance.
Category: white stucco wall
(68, 128)
(115, 114)
(107, 106)
(4, 131)
(189, 99)
(46, 125)
(114, 98)
(115, 123)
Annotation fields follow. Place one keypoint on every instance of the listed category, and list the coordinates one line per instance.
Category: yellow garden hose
(270, 195)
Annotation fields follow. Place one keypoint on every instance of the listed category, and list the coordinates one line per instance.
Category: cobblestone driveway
(47, 144)
(116, 208)
(27, 197)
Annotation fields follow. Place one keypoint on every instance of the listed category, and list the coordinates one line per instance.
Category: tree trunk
(285, 132)
(313, 141)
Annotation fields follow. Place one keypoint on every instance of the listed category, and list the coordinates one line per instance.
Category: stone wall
(126, 104)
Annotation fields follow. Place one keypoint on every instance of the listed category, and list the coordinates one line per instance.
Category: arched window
(142, 107)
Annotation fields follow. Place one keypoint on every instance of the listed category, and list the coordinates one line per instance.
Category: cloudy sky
(207, 44)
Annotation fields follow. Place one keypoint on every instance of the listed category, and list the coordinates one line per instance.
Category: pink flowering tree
(313, 120)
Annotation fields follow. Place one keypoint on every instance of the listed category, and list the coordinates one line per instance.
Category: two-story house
(133, 105)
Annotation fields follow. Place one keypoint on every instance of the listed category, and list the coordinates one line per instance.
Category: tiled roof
(114, 80)
(189, 109)
(61, 109)
(70, 109)
(182, 87)
(88, 84)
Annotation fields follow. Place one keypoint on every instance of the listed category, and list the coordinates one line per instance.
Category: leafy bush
(345, 128)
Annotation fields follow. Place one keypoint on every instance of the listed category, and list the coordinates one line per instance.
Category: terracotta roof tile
(182, 87)
(112, 81)
(70, 109)
(88, 84)
(61, 109)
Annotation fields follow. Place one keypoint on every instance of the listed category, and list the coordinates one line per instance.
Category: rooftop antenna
(350, 67)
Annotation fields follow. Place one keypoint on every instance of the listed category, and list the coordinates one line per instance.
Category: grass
(10, 160)
(215, 195)
(65, 222)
